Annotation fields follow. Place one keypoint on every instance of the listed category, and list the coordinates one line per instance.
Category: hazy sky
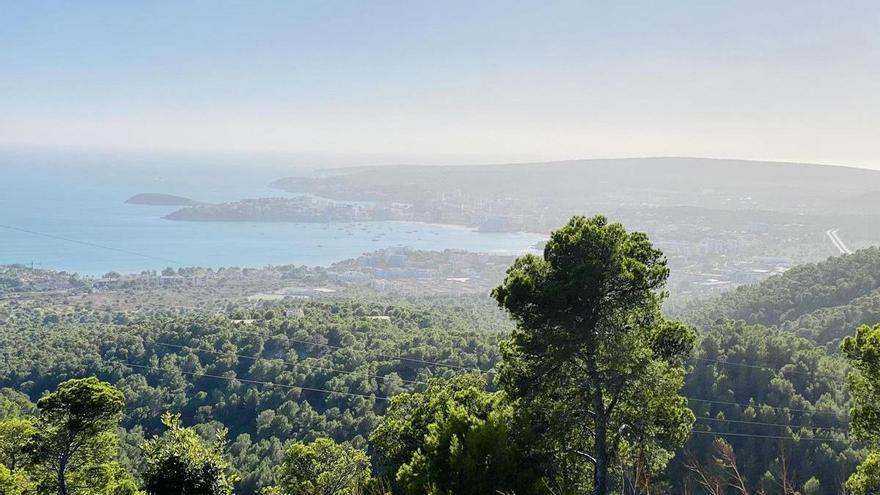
(447, 80)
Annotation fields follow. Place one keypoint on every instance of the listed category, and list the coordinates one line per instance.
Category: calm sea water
(71, 212)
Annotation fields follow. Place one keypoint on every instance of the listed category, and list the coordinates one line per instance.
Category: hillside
(720, 183)
(278, 373)
(261, 372)
(821, 301)
(274, 373)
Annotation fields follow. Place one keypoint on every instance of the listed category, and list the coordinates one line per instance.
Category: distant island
(159, 199)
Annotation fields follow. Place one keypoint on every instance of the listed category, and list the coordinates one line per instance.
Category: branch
(585, 455)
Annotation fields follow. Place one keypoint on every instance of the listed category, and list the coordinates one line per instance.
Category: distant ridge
(710, 182)
(627, 161)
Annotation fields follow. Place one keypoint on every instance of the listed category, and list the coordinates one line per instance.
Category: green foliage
(108, 478)
(85, 407)
(16, 438)
(350, 354)
(779, 361)
(14, 482)
(453, 438)
(76, 437)
(866, 479)
(592, 358)
(812, 487)
(14, 404)
(181, 462)
(402, 430)
(863, 352)
(782, 380)
(465, 454)
(821, 301)
(323, 467)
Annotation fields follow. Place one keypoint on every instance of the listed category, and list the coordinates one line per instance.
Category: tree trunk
(62, 470)
(62, 485)
(600, 471)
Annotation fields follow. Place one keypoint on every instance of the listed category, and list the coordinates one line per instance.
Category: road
(835, 239)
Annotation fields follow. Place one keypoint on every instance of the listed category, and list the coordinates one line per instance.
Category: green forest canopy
(765, 366)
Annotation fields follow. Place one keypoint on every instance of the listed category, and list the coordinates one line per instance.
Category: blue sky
(447, 81)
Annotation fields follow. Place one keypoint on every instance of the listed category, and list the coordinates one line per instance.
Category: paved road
(835, 239)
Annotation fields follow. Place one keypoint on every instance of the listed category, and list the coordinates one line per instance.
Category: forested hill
(821, 301)
(276, 374)
(764, 375)
(768, 356)
(273, 375)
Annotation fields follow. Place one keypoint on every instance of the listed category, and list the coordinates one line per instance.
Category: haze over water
(82, 200)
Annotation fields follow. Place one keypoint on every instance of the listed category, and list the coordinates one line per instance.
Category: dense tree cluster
(588, 388)
(211, 369)
(759, 386)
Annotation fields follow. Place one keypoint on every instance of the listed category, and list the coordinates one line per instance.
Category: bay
(66, 211)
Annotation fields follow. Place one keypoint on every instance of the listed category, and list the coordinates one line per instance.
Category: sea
(65, 210)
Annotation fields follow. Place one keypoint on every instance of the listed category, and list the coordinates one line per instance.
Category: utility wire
(756, 366)
(400, 358)
(177, 346)
(337, 347)
(772, 437)
(286, 363)
(259, 382)
(86, 243)
(374, 397)
(385, 356)
(460, 367)
(694, 399)
(760, 423)
(778, 408)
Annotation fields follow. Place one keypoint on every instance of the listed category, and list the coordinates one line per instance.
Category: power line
(772, 437)
(86, 243)
(306, 342)
(259, 382)
(374, 397)
(778, 408)
(286, 363)
(756, 366)
(400, 358)
(264, 335)
(337, 347)
(312, 389)
(467, 368)
(386, 356)
(759, 423)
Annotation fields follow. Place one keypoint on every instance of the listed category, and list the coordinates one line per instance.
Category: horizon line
(490, 160)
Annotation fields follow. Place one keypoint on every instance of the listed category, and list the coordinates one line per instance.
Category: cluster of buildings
(713, 277)
(397, 268)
